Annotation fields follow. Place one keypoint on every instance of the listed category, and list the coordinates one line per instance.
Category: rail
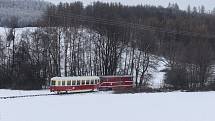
(39, 95)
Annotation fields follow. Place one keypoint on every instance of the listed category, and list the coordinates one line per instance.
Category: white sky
(209, 4)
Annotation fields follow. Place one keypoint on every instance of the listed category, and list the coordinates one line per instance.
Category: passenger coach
(74, 84)
(90, 83)
(111, 82)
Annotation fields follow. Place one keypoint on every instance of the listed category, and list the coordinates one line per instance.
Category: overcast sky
(209, 4)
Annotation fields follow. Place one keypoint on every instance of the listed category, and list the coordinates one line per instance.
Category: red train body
(111, 82)
(89, 83)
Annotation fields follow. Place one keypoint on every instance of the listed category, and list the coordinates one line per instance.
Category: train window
(63, 83)
(95, 81)
(78, 82)
(53, 83)
(87, 82)
(59, 83)
(68, 83)
(92, 82)
(83, 82)
(73, 82)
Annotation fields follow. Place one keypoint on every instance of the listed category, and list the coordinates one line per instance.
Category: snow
(158, 75)
(6, 92)
(183, 4)
(172, 106)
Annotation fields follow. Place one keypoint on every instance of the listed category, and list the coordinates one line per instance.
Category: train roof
(76, 78)
(116, 76)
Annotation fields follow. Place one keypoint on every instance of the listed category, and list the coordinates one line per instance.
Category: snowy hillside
(23, 11)
(209, 4)
(157, 75)
(18, 33)
(174, 106)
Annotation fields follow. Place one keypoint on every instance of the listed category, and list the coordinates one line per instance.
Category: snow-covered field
(209, 4)
(6, 92)
(172, 106)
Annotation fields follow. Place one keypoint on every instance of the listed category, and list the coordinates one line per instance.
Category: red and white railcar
(111, 82)
(74, 84)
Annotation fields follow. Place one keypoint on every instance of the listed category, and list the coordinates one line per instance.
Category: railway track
(39, 95)
(23, 96)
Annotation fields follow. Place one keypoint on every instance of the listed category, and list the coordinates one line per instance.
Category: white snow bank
(174, 106)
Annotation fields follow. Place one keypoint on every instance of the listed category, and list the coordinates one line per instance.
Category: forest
(112, 39)
(25, 12)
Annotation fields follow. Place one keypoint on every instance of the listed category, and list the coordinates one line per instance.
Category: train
(89, 83)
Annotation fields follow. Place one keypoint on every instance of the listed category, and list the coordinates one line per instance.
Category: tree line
(25, 12)
(73, 40)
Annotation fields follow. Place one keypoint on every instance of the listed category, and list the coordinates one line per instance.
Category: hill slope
(23, 11)
(209, 4)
